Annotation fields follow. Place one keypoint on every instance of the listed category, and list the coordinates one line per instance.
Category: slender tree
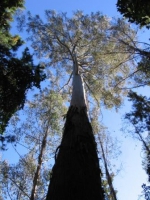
(108, 176)
(140, 120)
(108, 151)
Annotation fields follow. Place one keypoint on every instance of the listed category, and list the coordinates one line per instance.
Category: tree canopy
(103, 60)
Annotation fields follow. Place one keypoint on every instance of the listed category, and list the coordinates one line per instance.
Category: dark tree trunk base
(76, 173)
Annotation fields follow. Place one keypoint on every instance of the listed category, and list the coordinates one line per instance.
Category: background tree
(140, 120)
(17, 75)
(112, 192)
(37, 138)
(108, 151)
(137, 11)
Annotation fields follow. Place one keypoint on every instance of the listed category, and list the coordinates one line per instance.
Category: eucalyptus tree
(88, 48)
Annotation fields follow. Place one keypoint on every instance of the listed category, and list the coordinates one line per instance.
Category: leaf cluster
(140, 111)
(7, 10)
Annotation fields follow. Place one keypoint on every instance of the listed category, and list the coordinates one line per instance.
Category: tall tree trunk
(111, 187)
(40, 159)
(76, 173)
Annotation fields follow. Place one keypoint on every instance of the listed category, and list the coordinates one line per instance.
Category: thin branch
(129, 58)
(141, 52)
(28, 148)
(73, 49)
(127, 77)
(20, 156)
(63, 44)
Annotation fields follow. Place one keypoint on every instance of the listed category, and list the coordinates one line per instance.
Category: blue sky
(128, 182)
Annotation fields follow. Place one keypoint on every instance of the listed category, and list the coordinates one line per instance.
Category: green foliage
(140, 112)
(8, 8)
(137, 11)
(16, 77)
(7, 11)
(18, 178)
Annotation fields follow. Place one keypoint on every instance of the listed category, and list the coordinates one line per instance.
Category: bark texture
(76, 173)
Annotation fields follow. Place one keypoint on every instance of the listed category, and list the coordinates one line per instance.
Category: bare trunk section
(76, 173)
(78, 93)
(40, 160)
(112, 191)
